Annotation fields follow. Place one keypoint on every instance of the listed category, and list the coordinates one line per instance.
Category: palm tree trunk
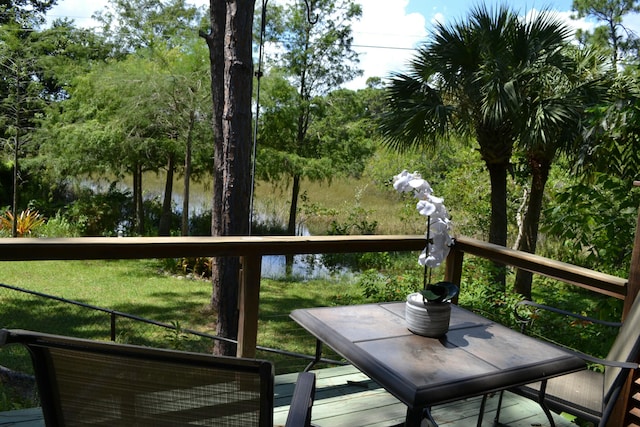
(498, 225)
(530, 224)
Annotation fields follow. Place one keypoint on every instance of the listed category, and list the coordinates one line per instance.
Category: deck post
(249, 301)
(632, 387)
(453, 266)
(633, 287)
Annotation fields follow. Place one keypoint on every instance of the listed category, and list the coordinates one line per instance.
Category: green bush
(57, 226)
(101, 214)
(381, 287)
(195, 266)
(594, 223)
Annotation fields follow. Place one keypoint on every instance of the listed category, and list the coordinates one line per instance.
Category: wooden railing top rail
(30, 249)
(569, 273)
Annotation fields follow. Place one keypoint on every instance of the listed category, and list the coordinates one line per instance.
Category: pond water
(305, 267)
(273, 266)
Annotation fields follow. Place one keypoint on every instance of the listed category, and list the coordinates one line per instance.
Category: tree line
(160, 86)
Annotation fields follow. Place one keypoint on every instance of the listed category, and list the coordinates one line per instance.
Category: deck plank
(346, 397)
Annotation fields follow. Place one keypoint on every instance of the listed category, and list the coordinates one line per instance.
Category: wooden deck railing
(252, 249)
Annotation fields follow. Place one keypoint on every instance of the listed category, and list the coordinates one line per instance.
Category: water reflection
(305, 267)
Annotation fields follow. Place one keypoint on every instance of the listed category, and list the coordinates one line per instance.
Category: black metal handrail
(114, 314)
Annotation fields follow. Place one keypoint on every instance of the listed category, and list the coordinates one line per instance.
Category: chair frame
(610, 395)
(40, 344)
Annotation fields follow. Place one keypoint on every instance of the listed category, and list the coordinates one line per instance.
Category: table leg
(417, 415)
(541, 401)
(317, 356)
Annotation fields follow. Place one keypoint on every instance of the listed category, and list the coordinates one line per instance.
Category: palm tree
(554, 114)
(470, 80)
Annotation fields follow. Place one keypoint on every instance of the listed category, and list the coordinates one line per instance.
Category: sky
(388, 31)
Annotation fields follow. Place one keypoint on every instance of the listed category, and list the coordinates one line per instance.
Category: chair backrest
(626, 348)
(102, 383)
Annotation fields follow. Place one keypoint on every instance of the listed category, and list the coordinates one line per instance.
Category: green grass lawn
(139, 287)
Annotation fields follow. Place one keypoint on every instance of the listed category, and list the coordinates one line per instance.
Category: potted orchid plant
(428, 311)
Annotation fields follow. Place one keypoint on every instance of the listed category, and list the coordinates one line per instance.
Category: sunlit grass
(322, 203)
(319, 204)
(140, 288)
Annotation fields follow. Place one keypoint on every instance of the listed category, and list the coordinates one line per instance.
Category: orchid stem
(426, 277)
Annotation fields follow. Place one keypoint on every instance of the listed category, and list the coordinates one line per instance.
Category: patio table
(477, 356)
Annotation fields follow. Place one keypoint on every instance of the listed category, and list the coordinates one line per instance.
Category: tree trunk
(293, 210)
(138, 202)
(498, 225)
(187, 177)
(291, 227)
(16, 158)
(164, 228)
(14, 201)
(539, 176)
(215, 43)
(231, 92)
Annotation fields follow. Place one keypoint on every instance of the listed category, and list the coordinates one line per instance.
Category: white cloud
(385, 38)
(437, 18)
(79, 11)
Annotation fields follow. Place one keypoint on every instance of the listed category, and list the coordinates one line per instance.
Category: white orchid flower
(401, 181)
(426, 208)
(420, 186)
(439, 241)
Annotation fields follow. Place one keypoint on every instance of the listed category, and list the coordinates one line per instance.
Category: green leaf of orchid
(440, 292)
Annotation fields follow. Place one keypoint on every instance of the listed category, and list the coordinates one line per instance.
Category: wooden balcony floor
(346, 397)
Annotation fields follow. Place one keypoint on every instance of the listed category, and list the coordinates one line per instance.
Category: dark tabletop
(476, 356)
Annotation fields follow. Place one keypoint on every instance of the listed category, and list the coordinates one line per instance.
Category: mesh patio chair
(84, 382)
(588, 394)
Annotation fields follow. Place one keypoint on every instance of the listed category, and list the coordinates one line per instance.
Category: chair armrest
(302, 401)
(605, 362)
(522, 319)
(584, 356)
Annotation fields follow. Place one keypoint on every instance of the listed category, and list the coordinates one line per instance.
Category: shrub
(27, 222)
(195, 266)
(57, 226)
(101, 214)
(378, 287)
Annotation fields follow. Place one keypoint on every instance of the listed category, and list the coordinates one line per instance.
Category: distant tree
(188, 121)
(21, 101)
(315, 57)
(558, 99)
(24, 12)
(166, 33)
(621, 40)
(37, 67)
(109, 126)
(340, 137)
(128, 117)
(135, 24)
